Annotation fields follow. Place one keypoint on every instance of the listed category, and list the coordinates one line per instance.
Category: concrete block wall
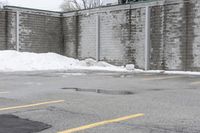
(2, 30)
(174, 33)
(39, 31)
(113, 32)
(135, 48)
(175, 36)
(157, 58)
(168, 36)
(87, 35)
(121, 34)
(193, 35)
(11, 30)
(70, 35)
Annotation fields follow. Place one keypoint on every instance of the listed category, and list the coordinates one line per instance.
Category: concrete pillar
(147, 38)
(97, 37)
(17, 31)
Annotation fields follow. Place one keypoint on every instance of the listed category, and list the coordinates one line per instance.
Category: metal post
(147, 37)
(97, 37)
(17, 30)
(98, 2)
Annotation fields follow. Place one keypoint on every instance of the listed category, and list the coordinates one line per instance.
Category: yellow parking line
(30, 105)
(101, 123)
(6, 92)
(161, 78)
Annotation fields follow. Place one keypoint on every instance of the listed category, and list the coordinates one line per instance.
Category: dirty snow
(11, 60)
(167, 72)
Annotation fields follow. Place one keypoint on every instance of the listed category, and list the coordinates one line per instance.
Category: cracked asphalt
(170, 103)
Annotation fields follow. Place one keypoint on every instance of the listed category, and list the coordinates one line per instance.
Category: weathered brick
(174, 33)
(2, 30)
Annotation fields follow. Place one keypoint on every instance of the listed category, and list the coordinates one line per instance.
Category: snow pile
(167, 72)
(25, 61)
(11, 61)
(130, 67)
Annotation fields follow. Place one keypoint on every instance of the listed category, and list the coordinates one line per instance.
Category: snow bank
(25, 61)
(168, 72)
(11, 61)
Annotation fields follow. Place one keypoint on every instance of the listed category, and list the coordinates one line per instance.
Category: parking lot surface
(99, 102)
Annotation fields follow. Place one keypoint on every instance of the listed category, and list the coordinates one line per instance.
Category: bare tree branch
(69, 5)
(3, 3)
(84, 4)
(77, 5)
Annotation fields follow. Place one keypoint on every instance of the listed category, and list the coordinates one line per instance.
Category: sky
(38, 4)
(53, 5)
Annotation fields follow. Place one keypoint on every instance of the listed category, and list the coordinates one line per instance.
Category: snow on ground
(168, 72)
(11, 61)
(24, 61)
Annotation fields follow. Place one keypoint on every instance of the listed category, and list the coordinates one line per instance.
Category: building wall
(193, 35)
(157, 58)
(174, 33)
(2, 30)
(11, 30)
(175, 36)
(39, 31)
(121, 34)
(168, 36)
(70, 34)
(87, 35)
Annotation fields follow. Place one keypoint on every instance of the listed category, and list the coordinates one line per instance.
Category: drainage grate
(101, 91)
(14, 124)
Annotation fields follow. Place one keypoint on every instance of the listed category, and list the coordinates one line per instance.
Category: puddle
(156, 89)
(102, 91)
(14, 124)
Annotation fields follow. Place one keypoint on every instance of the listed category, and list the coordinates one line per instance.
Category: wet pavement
(66, 100)
(13, 124)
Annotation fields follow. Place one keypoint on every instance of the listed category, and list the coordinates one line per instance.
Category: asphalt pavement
(99, 102)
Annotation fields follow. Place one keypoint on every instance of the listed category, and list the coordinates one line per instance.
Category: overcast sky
(40, 4)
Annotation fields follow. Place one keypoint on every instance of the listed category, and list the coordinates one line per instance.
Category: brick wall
(114, 36)
(87, 35)
(174, 33)
(2, 30)
(193, 35)
(39, 31)
(157, 59)
(71, 30)
(121, 34)
(11, 30)
(168, 36)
